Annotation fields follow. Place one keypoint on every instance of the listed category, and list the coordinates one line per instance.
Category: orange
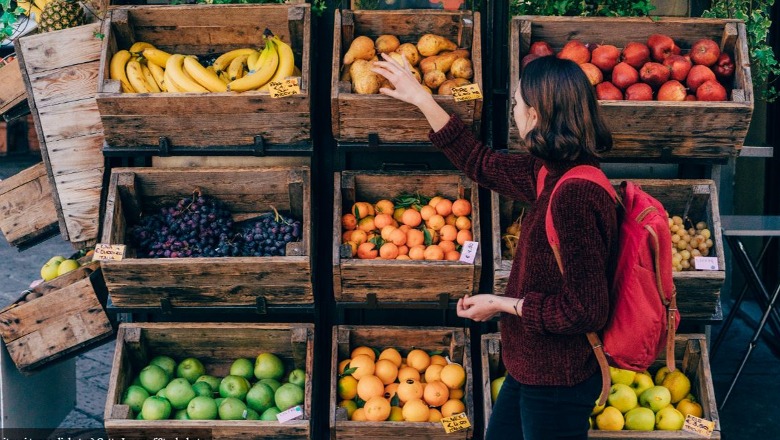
(353, 247)
(452, 256)
(343, 365)
(453, 375)
(367, 224)
(391, 354)
(457, 393)
(438, 359)
(367, 251)
(435, 200)
(405, 228)
(385, 233)
(359, 415)
(436, 393)
(350, 406)
(349, 221)
(403, 257)
(416, 411)
(432, 373)
(451, 219)
(418, 359)
(447, 246)
(427, 212)
(406, 372)
(388, 251)
(363, 349)
(461, 207)
(358, 237)
(452, 406)
(382, 220)
(397, 236)
(436, 222)
(464, 236)
(403, 250)
(396, 414)
(391, 390)
(417, 252)
(463, 223)
(362, 209)
(411, 217)
(346, 236)
(448, 233)
(433, 234)
(409, 389)
(370, 386)
(434, 415)
(433, 252)
(386, 371)
(414, 237)
(347, 387)
(384, 207)
(364, 366)
(398, 214)
(444, 207)
(377, 409)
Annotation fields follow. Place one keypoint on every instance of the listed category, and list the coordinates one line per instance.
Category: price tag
(290, 414)
(468, 92)
(705, 263)
(698, 425)
(469, 252)
(456, 422)
(285, 87)
(109, 252)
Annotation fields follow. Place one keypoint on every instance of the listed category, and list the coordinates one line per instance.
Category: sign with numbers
(109, 252)
(698, 425)
(469, 252)
(705, 263)
(468, 92)
(456, 422)
(285, 87)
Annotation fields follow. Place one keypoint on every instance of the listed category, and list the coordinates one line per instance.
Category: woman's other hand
(482, 307)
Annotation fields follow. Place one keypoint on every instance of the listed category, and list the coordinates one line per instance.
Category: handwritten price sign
(469, 252)
(455, 423)
(699, 426)
(468, 92)
(109, 252)
(285, 87)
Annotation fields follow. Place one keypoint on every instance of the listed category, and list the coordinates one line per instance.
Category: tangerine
(386, 371)
(364, 349)
(370, 386)
(384, 207)
(434, 415)
(453, 375)
(403, 250)
(402, 257)
(362, 209)
(414, 237)
(464, 235)
(427, 212)
(349, 221)
(398, 214)
(359, 415)
(391, 390)
(396, 414)
(452, 256)
(463, 223)
(397, 236)
(433, 252)
(411, 217)
(346, 236)
(436, 393)
(350, 406)
(461, 207)
(447, 246)
(451, 219)
(358, 237)
(377, 409)
(452, 406)
(444, 207)
(408, 389)
(391, 354)
(418, 359)
(343, 365)
(436, 222)
(367, 224)
(347, 387)
(456, 393)
(388, 251)
(363, 365)
(435, 200)
(406, 372)
(417, 252)
(432, 373)
(386, 231)
(367, 251)
(382, 220)
(416, 411)
(438, 359)
(405, 228)
(448, 233)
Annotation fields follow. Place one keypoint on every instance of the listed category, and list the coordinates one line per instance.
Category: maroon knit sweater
(547, 346)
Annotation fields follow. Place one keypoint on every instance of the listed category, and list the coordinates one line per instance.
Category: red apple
(672, 90)
(593, 73)
(605, 57)
(635, 54)
(697, 76)
(541, 48)
(654, 74)
(690, 98)
(711, 90)
(724, 68)
(705, 52)
(576, 51)
(679, 65)
(623, 75)
(527, 59)
(639, 92)
(661, 46)
(607, 90)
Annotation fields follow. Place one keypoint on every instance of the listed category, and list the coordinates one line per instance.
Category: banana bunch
(145, 69)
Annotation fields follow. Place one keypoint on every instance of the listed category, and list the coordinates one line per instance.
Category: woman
(553, 377)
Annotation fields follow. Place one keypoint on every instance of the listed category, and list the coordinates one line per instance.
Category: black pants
(533, 412)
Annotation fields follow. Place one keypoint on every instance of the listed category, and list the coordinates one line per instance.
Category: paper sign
(698, 425)
(285, 87)
(469, 252)
(456, 422)
(109, 252)
(705, 263)
(468, 92)
(290, 414)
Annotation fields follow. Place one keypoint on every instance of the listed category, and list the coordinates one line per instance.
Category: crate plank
(81, 190)
(73, 155)
(70, 83)
(27, 209)
(41, 56)
(13, 91)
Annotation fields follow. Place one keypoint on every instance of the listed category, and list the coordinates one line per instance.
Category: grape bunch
(689, 243)
(269, 235)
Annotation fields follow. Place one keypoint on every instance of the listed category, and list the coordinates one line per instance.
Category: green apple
(260, 397)
(179, 392)
(269, 415)
(273, 383)
(288, 395)
(156, 408)
(190, 369)
(268, 366)
(181, 414)
(495, 388)
(166, 363)
(610, 419)
(139, 416)
(203, 389)
(669, 419)
(297, 377)
(619, 375)
(251, 414)
(678, 384)
(153, 378)
(640, 419)
(162, 393)
(134, 397)
(231, 409)
(622, 397)
(218, 401)
(202, 408)
(641, 383)
(242, 367)
(655, 398)
(234, 386)
(211, 380)
(67, 266)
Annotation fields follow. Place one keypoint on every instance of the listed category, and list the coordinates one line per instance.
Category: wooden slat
(75, 155)
(73, 47)
(13, 91)
(80, 194)
(26, 206)
(409, 27)
(70, 83)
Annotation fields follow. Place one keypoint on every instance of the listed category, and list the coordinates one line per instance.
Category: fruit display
(656, 69)
(688, 242)
(143, 68)
(202, 226)
(165, 389)
(54, 15)
(411, 227)
(58, 265)
(376, 386)
(436, 62)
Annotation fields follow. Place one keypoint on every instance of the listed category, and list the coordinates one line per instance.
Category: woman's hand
(407, 89)
(484, 307)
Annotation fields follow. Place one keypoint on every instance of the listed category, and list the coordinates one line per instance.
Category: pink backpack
(644, 317)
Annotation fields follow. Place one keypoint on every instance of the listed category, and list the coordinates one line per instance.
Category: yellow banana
(157, 56)
(117, 71)
(150, 81)
(226, 58)
(138, 47)
(261, 76)
(224, 78)
(236, 68)
(173, 68)
(203, 76)
(136, 77)
(170, 84)
(264, 56)
(286, 62)
(158, 73)
(252, 60)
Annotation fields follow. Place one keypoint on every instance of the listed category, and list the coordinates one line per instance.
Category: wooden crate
(356, 280)
(642, 130)
(60, 71)
(356, 117)
(13, 91)
(216, 345)
(452, 342)
(229, 281)
(68, 317)
(199, 122)
(27, 211)
(690, 352)
(698, 292)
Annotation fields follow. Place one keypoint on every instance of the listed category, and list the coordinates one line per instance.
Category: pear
(362, 48)
(430, 44)
(409, 50)
(387, 43)
(364, 81)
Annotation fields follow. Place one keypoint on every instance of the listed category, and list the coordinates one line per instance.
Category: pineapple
(61, 14)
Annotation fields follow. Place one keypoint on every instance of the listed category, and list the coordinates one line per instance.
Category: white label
(705, 263)
(469, 252)
(290, 414)
(109, 252)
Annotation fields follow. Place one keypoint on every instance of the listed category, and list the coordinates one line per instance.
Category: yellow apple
(619, 375)
(679, 385)
(49, 270)
(641, 383)
(610, 420)
(495, 388)
(686, 407)
(597, 409)
(669, 419)
(656, 398)
(640, 419)
(67, 266)
(660, 375)
(622, 397)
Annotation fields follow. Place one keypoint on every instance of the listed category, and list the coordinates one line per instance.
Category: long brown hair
(569, 124)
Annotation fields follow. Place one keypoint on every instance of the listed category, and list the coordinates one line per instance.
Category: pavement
(751, 411)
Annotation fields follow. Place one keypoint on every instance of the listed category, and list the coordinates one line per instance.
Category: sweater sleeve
(511, 175)
(586, 220)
